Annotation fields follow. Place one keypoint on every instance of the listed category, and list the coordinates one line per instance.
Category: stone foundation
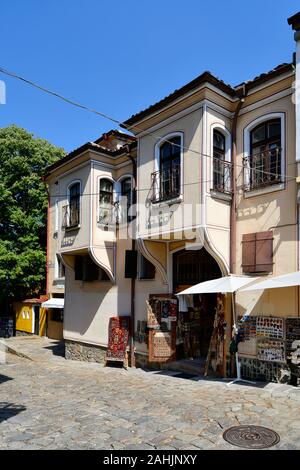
(23, 333)
(84, 352)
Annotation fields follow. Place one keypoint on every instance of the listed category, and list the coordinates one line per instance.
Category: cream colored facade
(199, 217)
(90, 305)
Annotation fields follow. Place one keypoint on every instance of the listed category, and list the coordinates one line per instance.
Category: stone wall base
(23, 333)
(77, 351)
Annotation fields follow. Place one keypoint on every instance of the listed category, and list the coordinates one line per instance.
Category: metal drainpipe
(133, 246)
(47, 237)
(234, 175)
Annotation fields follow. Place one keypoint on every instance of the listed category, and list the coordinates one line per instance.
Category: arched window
(106, 201)
(221, 168)
(169, 163)
(264, 162)
(71, 212)
(166, 180)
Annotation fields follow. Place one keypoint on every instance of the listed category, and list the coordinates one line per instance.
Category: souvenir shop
(189, 328)
(269, 348)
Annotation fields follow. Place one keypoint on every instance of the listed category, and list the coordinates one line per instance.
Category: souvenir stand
(227, 284)
(162, 311)
(118, 337)
(273, 340)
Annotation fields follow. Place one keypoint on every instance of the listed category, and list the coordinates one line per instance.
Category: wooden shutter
(257, 252)
(248, 252)
(264, 252)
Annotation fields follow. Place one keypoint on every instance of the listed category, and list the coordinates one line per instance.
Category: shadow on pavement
(4, 378)
(58, 349)
(8, 410)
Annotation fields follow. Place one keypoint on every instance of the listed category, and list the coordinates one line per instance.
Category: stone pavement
(51, 403)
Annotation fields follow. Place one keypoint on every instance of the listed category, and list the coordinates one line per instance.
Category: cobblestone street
(51, 403)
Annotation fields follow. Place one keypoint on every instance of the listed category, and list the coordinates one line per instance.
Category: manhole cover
(251, 437)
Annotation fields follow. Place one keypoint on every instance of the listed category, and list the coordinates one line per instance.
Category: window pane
(274, 128)
(105, 198)
(126, 186)
(219, 140)
(106, 185)
(258, 134)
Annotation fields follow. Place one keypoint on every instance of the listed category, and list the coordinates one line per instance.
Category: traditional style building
(212, 169)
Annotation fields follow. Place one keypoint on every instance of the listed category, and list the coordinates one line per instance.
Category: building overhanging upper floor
(88, 190)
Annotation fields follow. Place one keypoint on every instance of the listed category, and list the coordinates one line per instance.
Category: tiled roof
(207, 77)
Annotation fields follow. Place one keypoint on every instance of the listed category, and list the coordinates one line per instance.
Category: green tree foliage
(23, 211)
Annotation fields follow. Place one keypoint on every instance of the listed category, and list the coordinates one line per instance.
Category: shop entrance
(197, 312)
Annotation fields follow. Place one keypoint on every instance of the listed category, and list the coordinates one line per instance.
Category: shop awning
(230, 283)
(54, 303)
(286, 280)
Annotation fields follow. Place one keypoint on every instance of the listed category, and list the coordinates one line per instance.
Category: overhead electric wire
(128, 128)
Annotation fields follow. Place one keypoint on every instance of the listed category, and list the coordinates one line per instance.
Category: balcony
(222, 176)
(262, 169)
(71, 216)
(165, 185)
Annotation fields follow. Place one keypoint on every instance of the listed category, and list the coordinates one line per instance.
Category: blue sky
(121, 56)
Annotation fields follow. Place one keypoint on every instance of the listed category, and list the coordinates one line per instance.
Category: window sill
(262, 191)
(219, 195)
(59, 282)
(72, 229)
(168, 202)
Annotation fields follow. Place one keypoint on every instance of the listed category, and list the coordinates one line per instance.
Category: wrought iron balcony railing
(165, 185)
(108, 214)
(262, 169)
(71, 215)
(222, 176)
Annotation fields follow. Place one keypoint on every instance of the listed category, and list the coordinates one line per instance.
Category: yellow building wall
(24, 317)
(25, 321)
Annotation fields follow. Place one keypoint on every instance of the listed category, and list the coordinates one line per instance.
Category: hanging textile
(118, 336)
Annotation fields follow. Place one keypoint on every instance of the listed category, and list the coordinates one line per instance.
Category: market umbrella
(227, 284)
(286, 280)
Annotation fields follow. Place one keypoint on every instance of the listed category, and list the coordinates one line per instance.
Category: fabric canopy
(229, 283)
(54, 303)
(287, 280)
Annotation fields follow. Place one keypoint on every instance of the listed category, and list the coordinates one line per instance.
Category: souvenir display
(292, 332)
(162, 346)
(153, 313)
(268, 327)
(270, 350)
(247, 328)
(118, 336)
(247, 344)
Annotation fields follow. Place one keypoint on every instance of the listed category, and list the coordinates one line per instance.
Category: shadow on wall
(9, 410)
(275, 302)
(83, 303)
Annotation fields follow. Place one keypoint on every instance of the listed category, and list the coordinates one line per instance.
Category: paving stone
(88, 409)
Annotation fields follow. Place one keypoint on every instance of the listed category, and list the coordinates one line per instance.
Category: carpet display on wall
(118, 336)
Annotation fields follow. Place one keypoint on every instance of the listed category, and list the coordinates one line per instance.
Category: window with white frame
(71, 212)
(166, 180)
(222, 168)
(125, 199)
(264, 153)
(106, 201)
